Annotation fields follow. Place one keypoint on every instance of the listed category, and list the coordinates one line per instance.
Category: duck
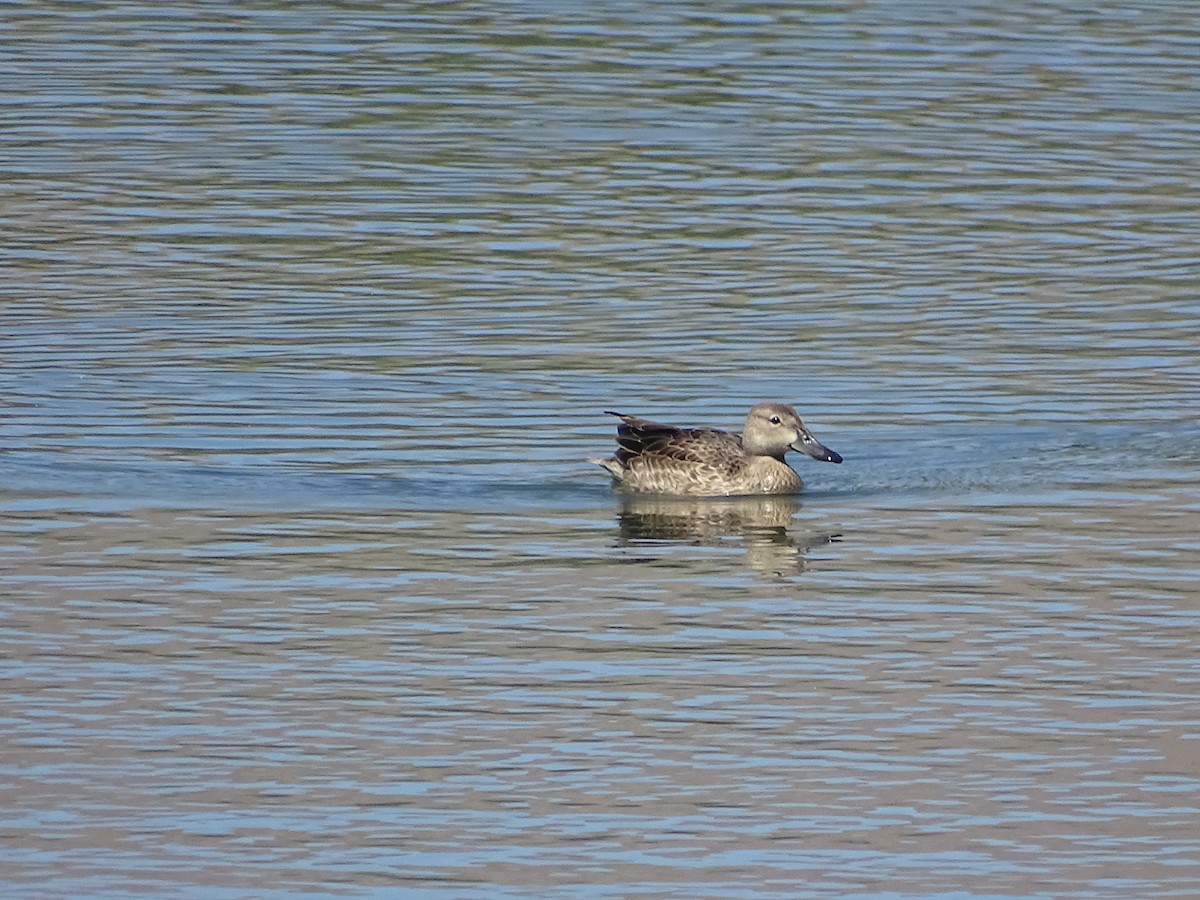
(653, 458)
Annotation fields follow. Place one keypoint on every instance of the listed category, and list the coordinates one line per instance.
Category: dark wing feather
(638, 437)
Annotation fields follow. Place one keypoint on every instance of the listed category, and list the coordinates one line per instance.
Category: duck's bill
(814, 448)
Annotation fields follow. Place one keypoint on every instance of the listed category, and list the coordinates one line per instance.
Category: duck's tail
(615, 469)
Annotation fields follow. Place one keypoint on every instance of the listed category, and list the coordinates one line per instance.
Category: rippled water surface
(308, 318)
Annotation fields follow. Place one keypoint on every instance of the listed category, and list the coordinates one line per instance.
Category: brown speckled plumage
(663, 459)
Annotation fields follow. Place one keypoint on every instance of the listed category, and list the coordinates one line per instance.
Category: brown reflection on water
(959, 696)
(762, 525)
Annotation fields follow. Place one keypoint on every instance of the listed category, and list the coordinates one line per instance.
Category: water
(309, 316)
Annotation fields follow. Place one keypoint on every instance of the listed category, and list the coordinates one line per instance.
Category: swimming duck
(663, 459)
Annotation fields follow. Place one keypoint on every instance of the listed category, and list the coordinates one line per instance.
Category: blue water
(307, 326)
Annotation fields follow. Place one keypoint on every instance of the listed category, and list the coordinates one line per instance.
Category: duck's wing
(706, 446)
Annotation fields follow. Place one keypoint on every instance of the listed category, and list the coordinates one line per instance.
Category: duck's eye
(775, 420)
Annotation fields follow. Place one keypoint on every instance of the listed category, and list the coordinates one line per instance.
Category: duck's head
(774, 428)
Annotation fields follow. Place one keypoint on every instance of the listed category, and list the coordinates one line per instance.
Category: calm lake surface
(308, 318)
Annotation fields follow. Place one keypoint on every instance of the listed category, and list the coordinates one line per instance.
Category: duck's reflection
(761, 524)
